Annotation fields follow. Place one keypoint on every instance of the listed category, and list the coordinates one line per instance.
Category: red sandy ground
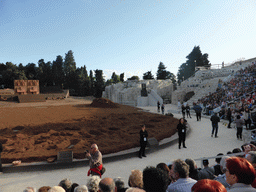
(31, 132)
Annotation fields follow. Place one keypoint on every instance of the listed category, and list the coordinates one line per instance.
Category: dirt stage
(36, 131)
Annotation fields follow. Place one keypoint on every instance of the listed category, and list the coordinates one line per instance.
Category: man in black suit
(215, 120)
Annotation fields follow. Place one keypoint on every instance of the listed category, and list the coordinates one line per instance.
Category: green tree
(31, 71)
(44, 73)
(162, 74)
(148, 75)
(99, 83)
(58, 71)
(134, 78)
(69, 70)
(194, 58)
(91, 83)
(82, 88)
(10, 74)
(122, 77)
(115, 78)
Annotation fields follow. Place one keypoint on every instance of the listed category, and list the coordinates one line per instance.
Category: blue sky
(130, 36)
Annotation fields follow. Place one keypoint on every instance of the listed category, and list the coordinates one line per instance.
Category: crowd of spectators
(234, 171)
(237, 94)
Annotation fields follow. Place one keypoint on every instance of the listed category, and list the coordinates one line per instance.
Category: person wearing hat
(207, 172)
(215, 120)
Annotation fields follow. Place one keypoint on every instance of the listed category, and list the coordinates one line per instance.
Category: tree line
(64, 74)
(61, 72)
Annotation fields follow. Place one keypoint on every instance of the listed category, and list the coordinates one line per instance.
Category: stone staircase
(207, 86)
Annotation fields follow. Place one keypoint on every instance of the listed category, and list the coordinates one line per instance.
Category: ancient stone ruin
(132, 93)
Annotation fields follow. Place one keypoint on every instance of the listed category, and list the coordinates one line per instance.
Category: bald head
(107, 185)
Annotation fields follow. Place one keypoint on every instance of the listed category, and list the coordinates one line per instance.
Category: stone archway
(188, 95)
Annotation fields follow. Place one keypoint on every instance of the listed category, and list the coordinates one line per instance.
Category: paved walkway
(199, 144)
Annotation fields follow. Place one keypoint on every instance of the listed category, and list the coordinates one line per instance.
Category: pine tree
(69, 69)
(148, 75)
(122, 77)
(99, 83)
(58, 72)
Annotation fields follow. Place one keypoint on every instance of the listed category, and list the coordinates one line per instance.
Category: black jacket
(215, 119)
(143, 136)
(181, 128)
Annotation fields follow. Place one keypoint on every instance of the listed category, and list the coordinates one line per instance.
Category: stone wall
(128, 91)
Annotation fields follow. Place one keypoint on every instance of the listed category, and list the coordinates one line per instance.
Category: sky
(126, 36)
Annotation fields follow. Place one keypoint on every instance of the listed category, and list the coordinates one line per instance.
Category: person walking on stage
(183, 111)
(188, 111)
(162, 109)
(158, 106)
(229, 115)
(143, 141)
(215, 120)
(181, 127)
(198, 111)
(239, 126)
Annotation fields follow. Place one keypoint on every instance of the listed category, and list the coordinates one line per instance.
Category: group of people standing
(158, 107)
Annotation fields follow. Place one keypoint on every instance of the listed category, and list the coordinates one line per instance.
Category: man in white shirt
(180, 172)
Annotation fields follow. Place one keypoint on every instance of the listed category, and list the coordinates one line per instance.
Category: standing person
(183, 110)
(162, 109)
(179, 106)
(239, 126)
(215, 120)
(181, 127)
(198, 110)
(1, 149)
(95, 161)
(247, 118)
(188, 111)
(229, 114)
(143, 141)
(158, 106)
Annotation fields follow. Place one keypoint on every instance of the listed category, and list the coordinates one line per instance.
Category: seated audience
(93, 183)
(222, 178)
(208, 185)
(193, 171)
(132, 189)
(240, 174)
(155, 179)
(251, 157)
(165, 168)
(73, 186)
(44, 189)
(81, 188)
(180, 172)
(107, 185)
(217, 170)
(135, 179)
(56, 189)
(207, 172)
(66, 184)
(119, 184)
(29, 189)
